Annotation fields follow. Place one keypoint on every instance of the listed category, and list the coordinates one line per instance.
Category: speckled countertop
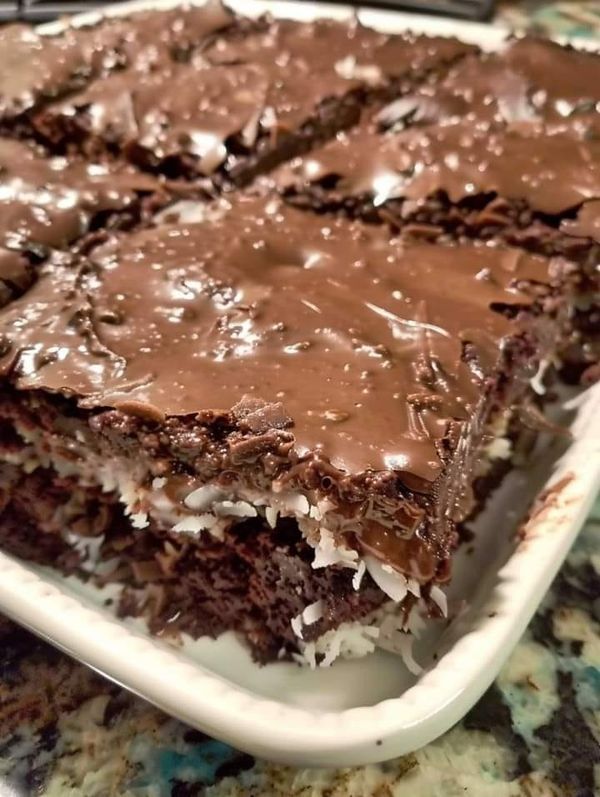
(66, 732)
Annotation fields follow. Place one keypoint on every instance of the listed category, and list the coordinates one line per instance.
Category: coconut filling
(211, 509)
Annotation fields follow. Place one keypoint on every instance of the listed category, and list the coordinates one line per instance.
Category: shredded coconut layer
(210, 508)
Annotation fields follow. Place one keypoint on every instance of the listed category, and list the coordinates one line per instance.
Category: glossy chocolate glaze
(550, 173)
(46, 203)
(34, 66)
(481, 88)
(360, 338)
(149, 38)
(188, 108)
(328, 58)
(240, 88)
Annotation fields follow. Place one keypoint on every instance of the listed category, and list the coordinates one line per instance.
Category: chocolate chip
(259, 416)
(141, 409)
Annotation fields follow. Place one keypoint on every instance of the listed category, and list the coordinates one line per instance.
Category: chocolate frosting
(550, 173)
(307, 63)
(360, 338)
(33, 66)
(48, 202)
(245, 86)
(148, 38)
(192, 108)
(481, 88)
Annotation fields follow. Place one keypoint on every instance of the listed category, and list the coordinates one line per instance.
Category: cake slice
(435, 162)
(252, 97)
(267, 421)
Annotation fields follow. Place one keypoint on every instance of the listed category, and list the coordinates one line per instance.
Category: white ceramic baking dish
(364, 710)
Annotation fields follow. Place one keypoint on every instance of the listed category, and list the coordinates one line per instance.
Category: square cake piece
(252, 97)
(267, 420)
(434, 161)
(434, 165)
(452, 179)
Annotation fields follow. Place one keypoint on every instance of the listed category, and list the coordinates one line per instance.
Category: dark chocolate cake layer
(48, 203)
(248, 100)
(35, 68)
(255, 581)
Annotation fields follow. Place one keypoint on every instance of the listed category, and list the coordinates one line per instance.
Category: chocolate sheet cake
(270, 412)
(264, 365)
